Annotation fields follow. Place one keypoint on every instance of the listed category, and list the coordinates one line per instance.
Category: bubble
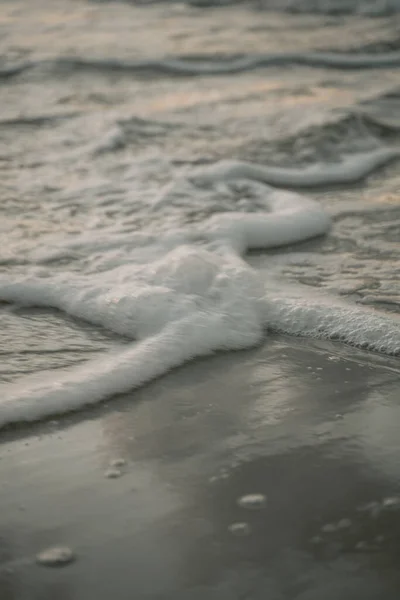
(391, 502)
(113, 473)
(57, 556)
(253, 501)
(240, 529)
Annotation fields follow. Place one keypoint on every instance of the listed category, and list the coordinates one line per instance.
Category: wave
(208, 66)
(376, 8)
(373, 8)
(189, 292)
(366, 126)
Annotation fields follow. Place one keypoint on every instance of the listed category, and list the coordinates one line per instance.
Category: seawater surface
(178, 181)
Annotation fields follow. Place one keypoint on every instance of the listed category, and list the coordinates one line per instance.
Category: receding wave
(374, 8)
(377, 8)
(189, 292)
(119, 215)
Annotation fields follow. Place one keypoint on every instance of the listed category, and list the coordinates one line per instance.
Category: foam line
(352, 169)
(113, 374)
(317, 315)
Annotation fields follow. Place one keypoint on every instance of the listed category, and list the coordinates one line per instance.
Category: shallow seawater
(105, 235)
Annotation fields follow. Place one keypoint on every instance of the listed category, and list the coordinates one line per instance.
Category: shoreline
(288, 420)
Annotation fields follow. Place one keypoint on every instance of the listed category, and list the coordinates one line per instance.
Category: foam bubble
(58, 556)
(252, 501)
(240, 529)
(113, 473)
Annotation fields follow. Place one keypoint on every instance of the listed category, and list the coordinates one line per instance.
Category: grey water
(77, 127)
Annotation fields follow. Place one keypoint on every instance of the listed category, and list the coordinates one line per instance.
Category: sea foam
(186, 291)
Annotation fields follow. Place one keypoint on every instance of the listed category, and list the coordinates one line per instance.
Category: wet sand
(312, 426)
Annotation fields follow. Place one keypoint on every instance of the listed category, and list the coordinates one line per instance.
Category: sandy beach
(311, 426)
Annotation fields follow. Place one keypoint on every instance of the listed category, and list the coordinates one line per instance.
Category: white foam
(185, 291)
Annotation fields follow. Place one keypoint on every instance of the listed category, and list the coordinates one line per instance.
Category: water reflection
(284, 421)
